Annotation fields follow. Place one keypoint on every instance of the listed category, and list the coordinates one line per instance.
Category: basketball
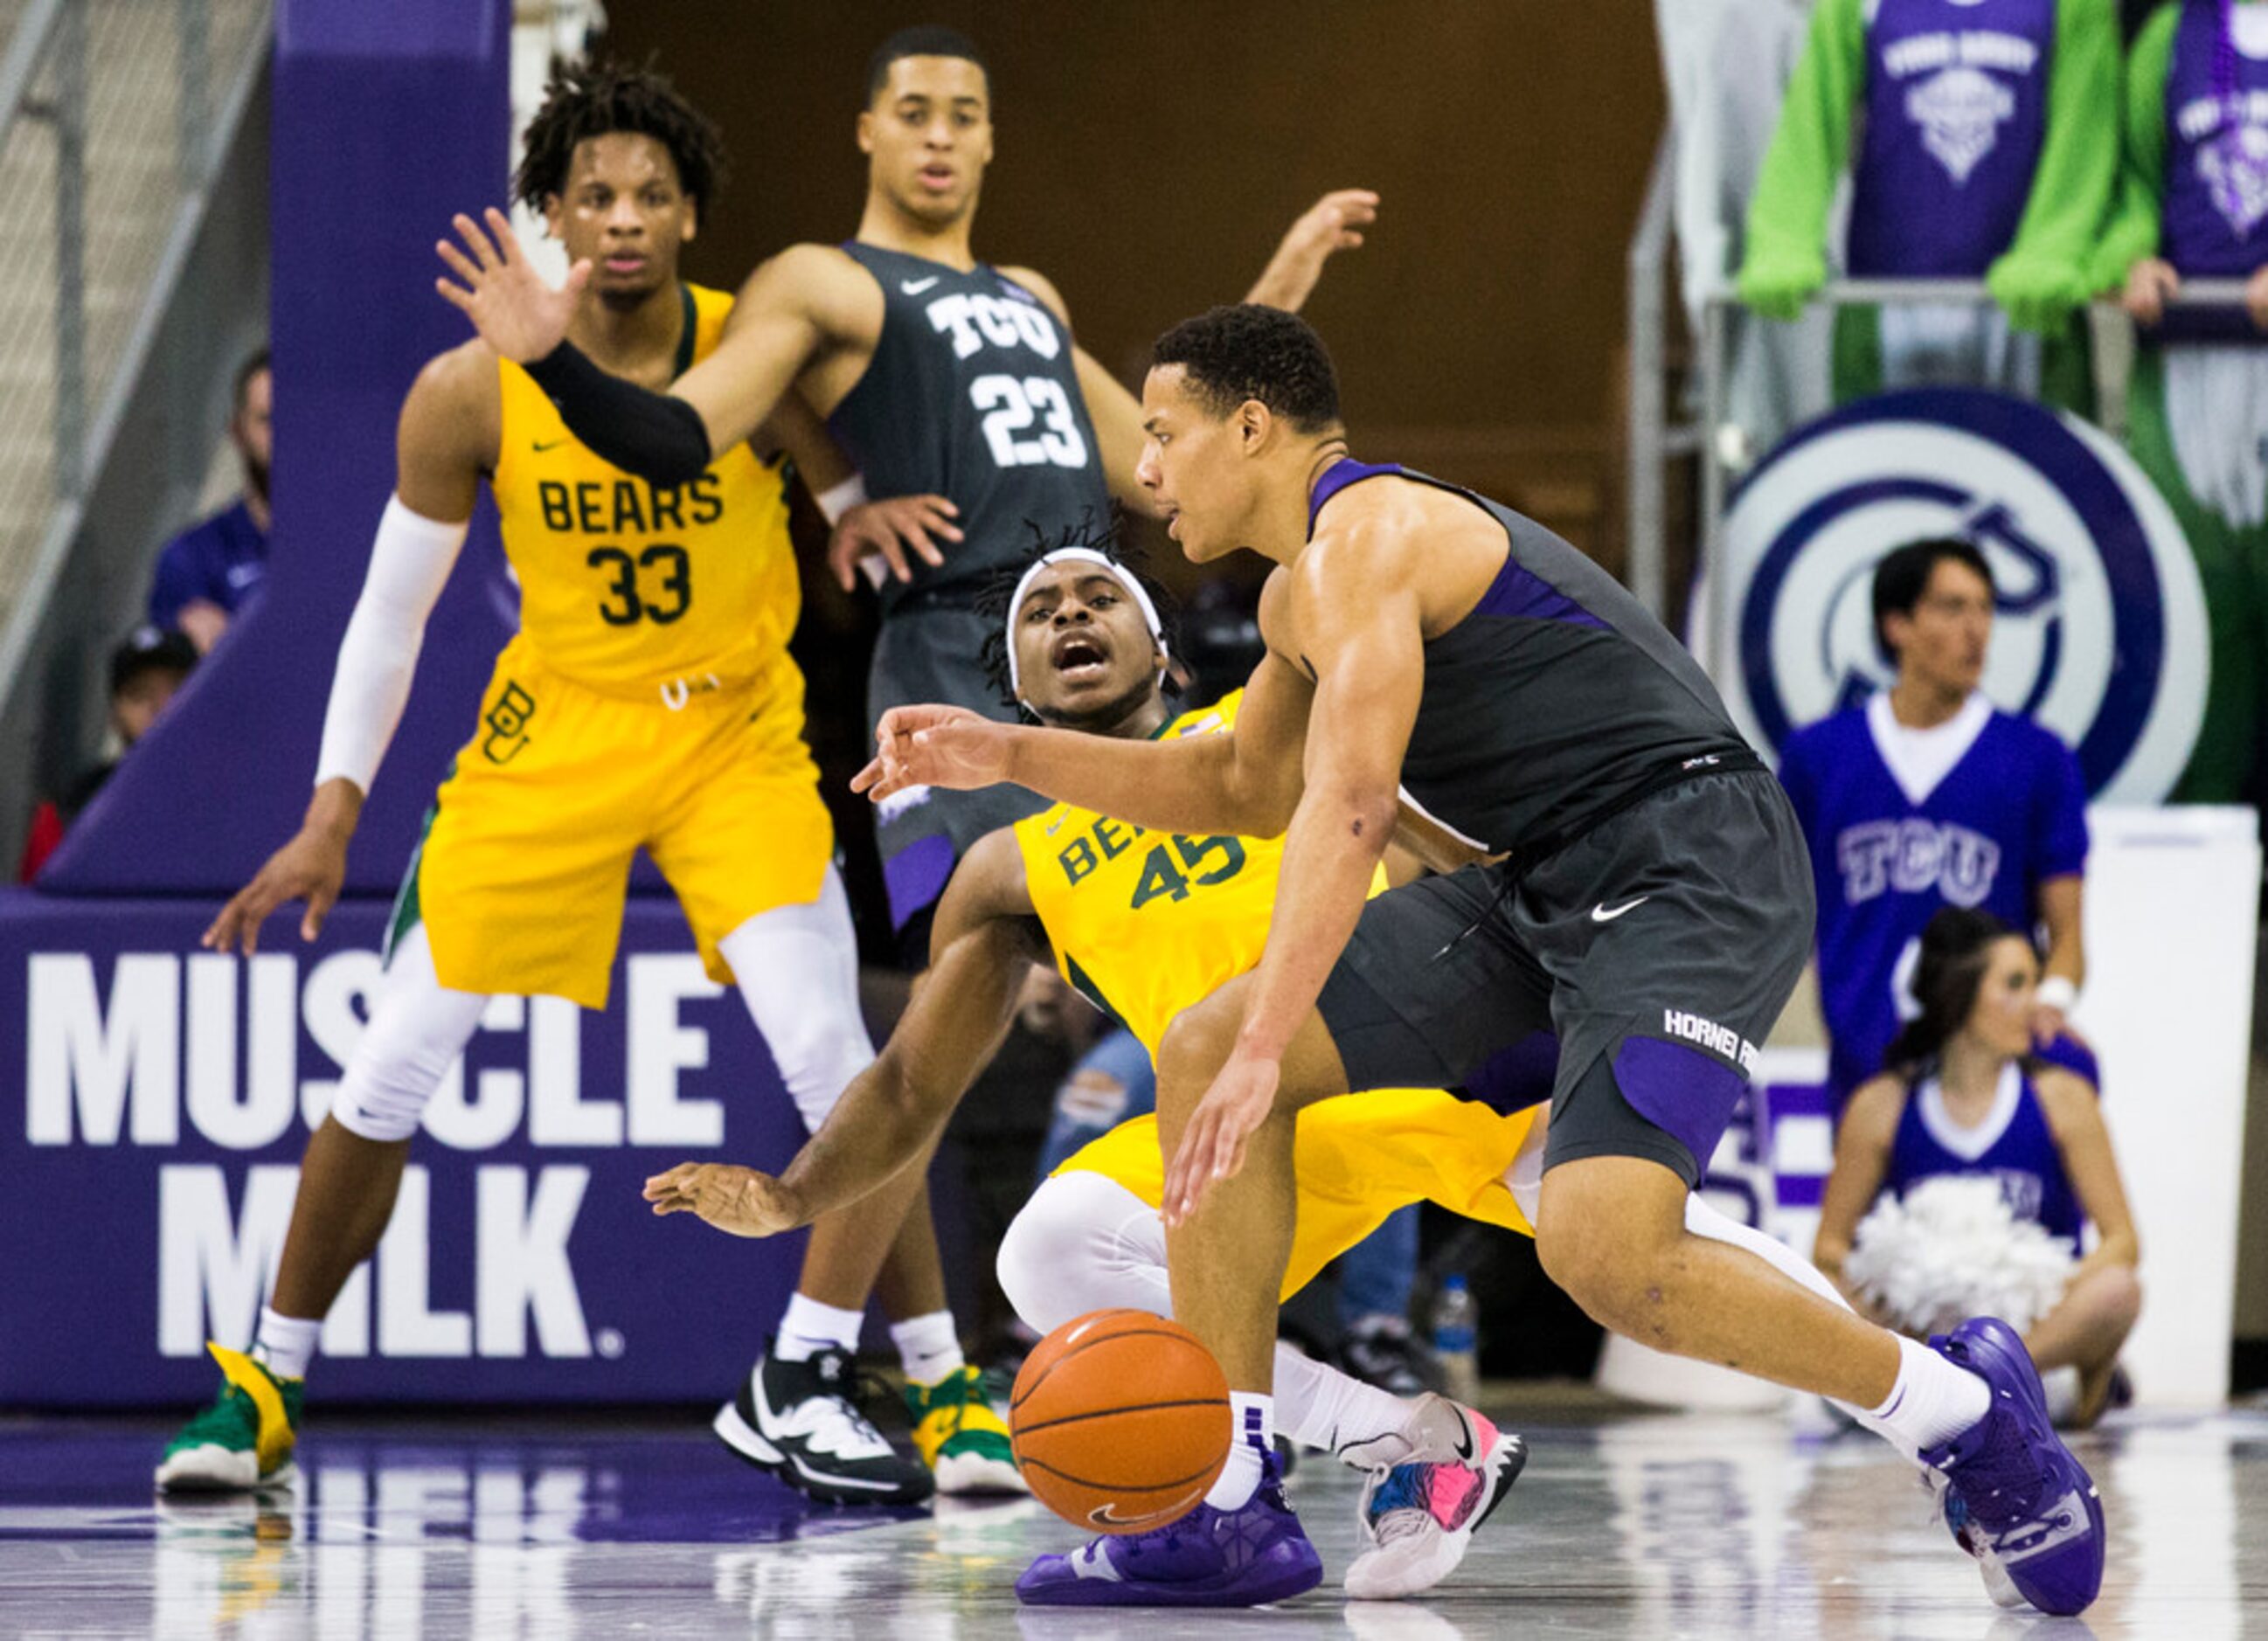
(1120, 1421)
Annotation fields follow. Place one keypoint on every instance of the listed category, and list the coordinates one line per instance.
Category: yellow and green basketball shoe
(960, 1437)
(243, 1440)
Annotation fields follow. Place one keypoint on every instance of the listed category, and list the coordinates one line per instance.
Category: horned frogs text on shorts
(648, 701)
(1146, 923)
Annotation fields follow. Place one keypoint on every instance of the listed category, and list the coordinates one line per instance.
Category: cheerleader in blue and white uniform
(1963, 1097)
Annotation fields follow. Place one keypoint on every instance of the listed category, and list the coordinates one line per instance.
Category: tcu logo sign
(2099, 628)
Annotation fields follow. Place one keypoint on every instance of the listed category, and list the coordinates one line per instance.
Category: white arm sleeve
(409, 564)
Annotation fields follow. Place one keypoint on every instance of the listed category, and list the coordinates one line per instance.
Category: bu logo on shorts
(507, 722)
(2099, 624)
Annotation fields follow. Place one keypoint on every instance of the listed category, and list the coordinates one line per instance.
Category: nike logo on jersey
(915, 287)
(1604, 913)
(543, 445)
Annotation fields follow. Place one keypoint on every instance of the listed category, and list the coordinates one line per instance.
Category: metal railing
(108, 116)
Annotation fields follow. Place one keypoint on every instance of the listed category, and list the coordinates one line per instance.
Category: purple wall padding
(168, 1093)
(387, 119)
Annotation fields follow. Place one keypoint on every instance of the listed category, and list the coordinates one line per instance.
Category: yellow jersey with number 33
(630, 588)
(1145, 923)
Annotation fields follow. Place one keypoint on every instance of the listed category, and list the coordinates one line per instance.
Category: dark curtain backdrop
(1150, 154)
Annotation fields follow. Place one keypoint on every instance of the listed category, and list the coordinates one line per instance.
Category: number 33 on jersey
(628, 587)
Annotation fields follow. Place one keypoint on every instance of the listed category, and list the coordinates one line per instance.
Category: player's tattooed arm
(986, 938)
(1219, 783)
(1355, 618)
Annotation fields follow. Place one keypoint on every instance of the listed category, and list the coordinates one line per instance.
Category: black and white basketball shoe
(801, 1421)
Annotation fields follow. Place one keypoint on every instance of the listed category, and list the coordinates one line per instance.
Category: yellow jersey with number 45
(1145, 923)
(629, 588)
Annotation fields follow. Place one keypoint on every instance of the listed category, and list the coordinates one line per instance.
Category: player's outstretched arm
(669, 437)
(893, 1110)
(1243, 782)
(1333, 223)
(448, 433)
(1354, 604)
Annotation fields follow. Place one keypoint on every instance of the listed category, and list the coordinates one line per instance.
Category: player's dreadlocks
(592, 99)
(992, 596)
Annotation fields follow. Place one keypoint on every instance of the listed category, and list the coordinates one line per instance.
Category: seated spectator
(1926, 796)
(1976, 148)
(1963, 1097)
(209, 571)
(145, 672)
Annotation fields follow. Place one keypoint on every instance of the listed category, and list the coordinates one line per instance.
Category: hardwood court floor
(1622, 1525)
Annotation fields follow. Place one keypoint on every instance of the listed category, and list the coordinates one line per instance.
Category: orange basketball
(1120, 1421)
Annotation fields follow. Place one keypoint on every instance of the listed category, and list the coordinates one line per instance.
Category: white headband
(1119, 573)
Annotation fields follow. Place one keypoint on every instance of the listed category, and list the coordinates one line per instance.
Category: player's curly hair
(588, 99)
(1249, 350)
(993, 596)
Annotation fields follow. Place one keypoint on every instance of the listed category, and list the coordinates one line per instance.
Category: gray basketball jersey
(1557, 698)
(972, 394)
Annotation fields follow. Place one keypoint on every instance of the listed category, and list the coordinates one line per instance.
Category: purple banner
(168, 1093)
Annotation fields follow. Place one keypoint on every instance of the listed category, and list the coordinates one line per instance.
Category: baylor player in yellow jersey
(1145, 925)
(647, 701)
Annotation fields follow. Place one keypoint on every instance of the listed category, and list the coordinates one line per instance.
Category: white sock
(286, 1344)
(2061, 1387)
(928, 1348)
(808, 1327)
(1253, 1425)
(1931, 1401)
(1320, 1407)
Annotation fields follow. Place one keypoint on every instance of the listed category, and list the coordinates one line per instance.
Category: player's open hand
(515, 312)
(2148, 283)
(1334, 223)
(734, 1199)
(1213, 1146)
(880, 533)
(928, 746)
(312, 867)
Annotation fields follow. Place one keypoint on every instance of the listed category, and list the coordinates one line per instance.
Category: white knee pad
(416, 1029)
(1084, 1243)
(798, 970)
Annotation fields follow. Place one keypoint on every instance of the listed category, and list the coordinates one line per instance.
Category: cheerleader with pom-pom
(1964, 1173)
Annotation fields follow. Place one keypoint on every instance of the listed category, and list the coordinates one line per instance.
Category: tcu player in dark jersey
(954, 386)
(1926, 796)
(1652, 907)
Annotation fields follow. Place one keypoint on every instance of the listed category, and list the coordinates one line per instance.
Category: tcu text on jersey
(1914, 856)
(1013, 405)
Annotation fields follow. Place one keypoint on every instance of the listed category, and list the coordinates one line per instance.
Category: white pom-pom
(1952, 1250)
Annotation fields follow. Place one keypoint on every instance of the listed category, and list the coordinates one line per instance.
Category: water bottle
(1456, 1340)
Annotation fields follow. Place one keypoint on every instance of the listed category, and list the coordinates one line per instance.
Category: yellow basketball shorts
(1358, 1157)
(521, 876)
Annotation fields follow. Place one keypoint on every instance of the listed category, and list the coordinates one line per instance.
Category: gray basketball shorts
(930, 651)
(1659, 947)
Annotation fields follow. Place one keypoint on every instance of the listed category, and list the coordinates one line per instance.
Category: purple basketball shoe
(1208, 1559)
(2014, 1496)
